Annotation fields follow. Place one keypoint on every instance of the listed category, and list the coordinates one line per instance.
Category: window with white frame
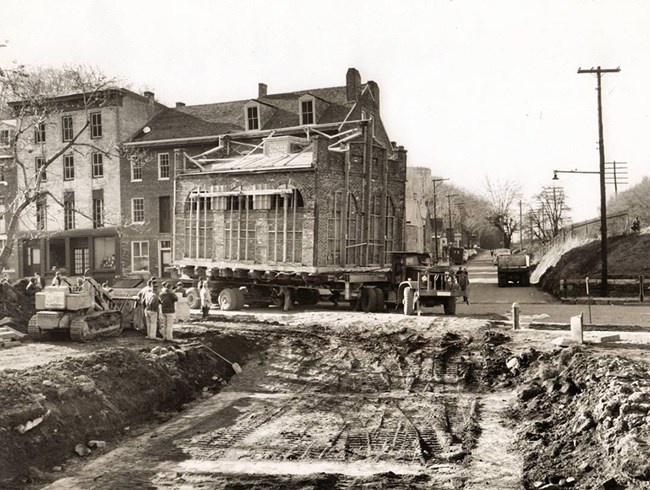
(307, 111)
(39, 162)
(68, 211)
(163, 166)
(139, 256)
(136, 171)
(98, 213)
(39, 133)
(41, 213)
(137, 209)
(252, 118)
(97, 164)
(96, 125)
(66, 128)
(68, 167)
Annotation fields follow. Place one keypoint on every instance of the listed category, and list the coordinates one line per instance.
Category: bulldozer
(85, 311)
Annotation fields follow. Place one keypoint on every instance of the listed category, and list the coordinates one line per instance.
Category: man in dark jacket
(168, 309)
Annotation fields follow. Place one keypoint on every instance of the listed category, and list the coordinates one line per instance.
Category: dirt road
(339, 405)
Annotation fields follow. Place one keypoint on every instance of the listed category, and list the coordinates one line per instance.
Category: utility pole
(436, 183)
(603, 200)
(460, 219)
(521, 228)
(451, 228)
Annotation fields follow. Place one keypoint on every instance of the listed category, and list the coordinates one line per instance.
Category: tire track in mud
(393, 399)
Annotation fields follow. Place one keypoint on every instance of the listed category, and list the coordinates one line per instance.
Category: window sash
(98, 213)
(96, 125)
(252, 118)
(307, 111)
(98, 165)
(39, 133)
(66, 123)
(137, 209)
(68, 167)
(163, 166)
(136, 172)
(140, 256)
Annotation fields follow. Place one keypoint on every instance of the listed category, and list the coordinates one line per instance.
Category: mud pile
(584, 422)
(15, 303)
(627, 258)
(49, 413)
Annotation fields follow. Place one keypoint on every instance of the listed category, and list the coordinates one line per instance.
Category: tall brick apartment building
(83, 229)
(7, 186)
(305, 180)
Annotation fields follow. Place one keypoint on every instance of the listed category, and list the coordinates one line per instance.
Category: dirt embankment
(627, 258)
(51, 412)
(583, 422)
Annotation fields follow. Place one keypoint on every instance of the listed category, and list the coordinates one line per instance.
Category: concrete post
(515, 316)
(576, 329)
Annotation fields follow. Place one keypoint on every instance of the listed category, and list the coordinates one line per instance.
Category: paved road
(487, 299)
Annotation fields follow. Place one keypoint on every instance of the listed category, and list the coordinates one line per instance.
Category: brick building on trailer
(79, 225)
(299, 181)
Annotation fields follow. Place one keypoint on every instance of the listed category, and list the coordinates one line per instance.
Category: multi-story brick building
(7, 187)
(298, 181)
(79, 225)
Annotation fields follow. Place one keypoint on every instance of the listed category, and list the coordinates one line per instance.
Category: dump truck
(513, 269)
(85, 311)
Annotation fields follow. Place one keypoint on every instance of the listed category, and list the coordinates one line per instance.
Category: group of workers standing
(159, 308)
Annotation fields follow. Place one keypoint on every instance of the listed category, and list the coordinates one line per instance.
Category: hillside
(628, 256)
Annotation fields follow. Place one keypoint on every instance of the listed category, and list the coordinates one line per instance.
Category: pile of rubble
(583, 421)
(16, 304)
(77, 406)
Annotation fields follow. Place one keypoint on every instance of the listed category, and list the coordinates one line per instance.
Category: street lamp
(436, 183)
(603, 222)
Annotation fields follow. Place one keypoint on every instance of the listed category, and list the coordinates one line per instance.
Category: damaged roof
(281, 110)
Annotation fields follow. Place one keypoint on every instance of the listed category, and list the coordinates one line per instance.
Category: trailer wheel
(368, 300)
(228, 300)
(381, 302)
(193, 298)
(449, 306)
(409, 301)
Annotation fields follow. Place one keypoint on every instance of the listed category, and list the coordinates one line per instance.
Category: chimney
(262, 90)
(180, 104)
(352, 85)
(374, 89)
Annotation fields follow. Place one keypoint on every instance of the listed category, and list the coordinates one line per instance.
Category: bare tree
(547, 214)
(35, 99)
(635, 201)
(502, 212)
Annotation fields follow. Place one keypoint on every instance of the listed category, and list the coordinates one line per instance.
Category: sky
(473, 89)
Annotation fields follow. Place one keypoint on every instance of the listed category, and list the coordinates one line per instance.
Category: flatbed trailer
(411, 284)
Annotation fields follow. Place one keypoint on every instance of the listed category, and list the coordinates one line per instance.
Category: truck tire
(307, 297)
(228, 300)
(409, 301)
(501, 281)
(381, 301)
(368, 300)
(193, 298)
(449, 306)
